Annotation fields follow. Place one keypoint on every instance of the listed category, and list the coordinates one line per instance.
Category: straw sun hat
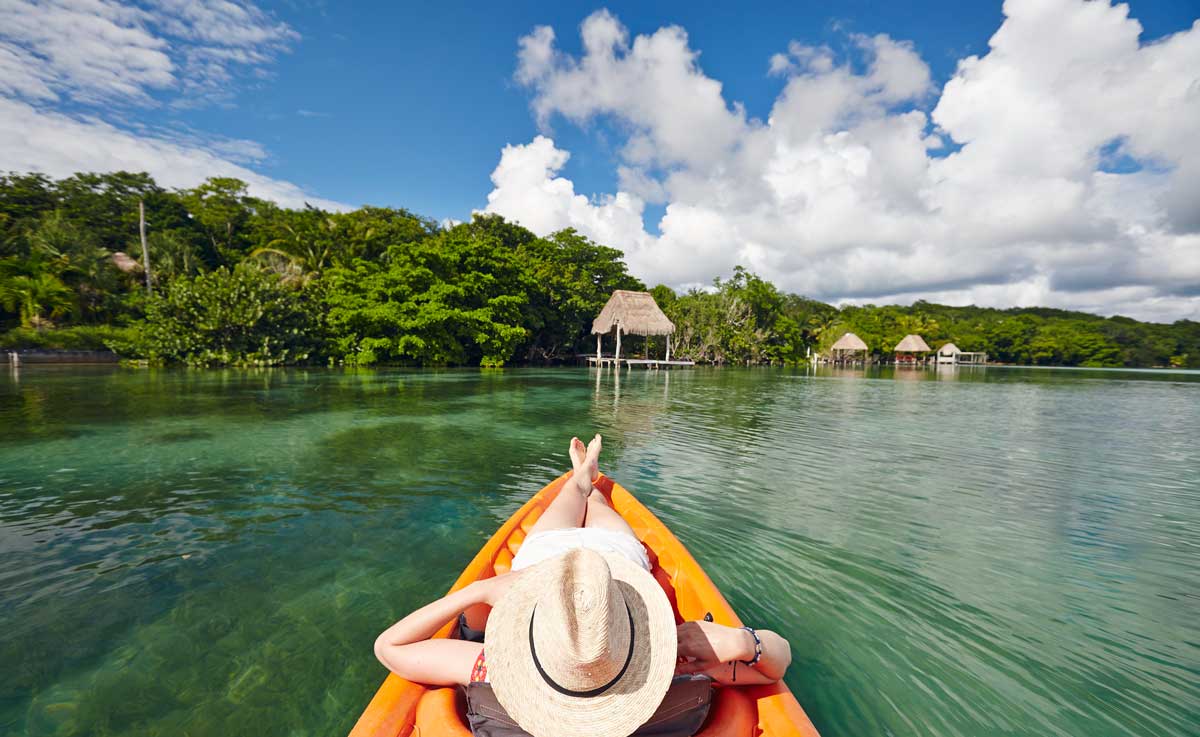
(582, 645)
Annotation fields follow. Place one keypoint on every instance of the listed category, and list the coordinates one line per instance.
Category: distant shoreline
(43, 357)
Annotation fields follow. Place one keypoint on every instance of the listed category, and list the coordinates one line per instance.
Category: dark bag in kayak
(681, 713)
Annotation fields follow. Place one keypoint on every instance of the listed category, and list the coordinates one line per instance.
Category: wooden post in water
(668, 346)
(145, 250)
(617, 357)
(597, 350)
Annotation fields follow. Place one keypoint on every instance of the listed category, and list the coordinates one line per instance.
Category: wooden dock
(648, 363)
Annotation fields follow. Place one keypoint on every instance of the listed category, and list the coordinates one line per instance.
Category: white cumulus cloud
(60, 145)
(526, 181)
(74, 72)
(103, 50)
(1060, 168)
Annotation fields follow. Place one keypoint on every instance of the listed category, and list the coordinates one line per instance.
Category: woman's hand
(704, 645)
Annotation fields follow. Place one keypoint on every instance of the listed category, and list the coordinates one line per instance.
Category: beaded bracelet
(757, 649)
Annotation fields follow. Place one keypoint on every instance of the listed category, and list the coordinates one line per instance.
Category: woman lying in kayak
(579, 630)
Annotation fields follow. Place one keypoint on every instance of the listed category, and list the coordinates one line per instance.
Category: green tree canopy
(454, 299)
(242, 317)
(570, 277)
(383, 284)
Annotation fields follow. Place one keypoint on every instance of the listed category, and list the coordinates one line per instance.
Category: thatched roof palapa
(913, 344)
(849, 342)
(949, 350)
(636, 312)
(123, 262)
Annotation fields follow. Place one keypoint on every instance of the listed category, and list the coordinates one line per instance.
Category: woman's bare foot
(585, 463)
(579, 476)
(577, 451)
(591, 461)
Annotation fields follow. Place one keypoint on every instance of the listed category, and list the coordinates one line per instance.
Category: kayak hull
(401, 708)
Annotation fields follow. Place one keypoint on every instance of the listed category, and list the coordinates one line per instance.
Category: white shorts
(544, 545)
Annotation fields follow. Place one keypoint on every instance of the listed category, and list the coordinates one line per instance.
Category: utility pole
(145, 250)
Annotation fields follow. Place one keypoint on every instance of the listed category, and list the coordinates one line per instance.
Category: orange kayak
(402, 708)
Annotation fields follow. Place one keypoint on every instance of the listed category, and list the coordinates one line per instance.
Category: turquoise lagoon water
(975, 552)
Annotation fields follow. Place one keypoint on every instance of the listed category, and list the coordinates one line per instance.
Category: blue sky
(842, 149)
(416, 102)
(413, 101)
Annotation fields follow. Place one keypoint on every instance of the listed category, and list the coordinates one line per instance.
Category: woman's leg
(601, 515)
(569, 507)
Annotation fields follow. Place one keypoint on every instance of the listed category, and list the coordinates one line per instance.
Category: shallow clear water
(980, 552)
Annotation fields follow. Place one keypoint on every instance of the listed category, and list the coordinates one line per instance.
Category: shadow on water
(58, 402)
(949, 553)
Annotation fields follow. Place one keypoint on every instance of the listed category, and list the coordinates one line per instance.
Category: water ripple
(970, 553)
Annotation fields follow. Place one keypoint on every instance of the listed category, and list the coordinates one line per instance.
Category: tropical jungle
(214, 276)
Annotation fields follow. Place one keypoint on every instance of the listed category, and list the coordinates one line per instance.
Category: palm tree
(816, 327)
(289, 267)
(172, 255)
(34, 295)
(307, 248)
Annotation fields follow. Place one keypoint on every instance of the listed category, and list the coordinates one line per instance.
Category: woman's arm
(406, 650)
(715, 650)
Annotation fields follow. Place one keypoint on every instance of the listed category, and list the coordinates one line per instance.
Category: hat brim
(626, 705)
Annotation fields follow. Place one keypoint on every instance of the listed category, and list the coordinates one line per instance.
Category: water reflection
(842, 372)
(911, 373)
(947, 373)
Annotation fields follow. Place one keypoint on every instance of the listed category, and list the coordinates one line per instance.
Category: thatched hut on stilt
(907, 349)
(633, 313)
(847, 349)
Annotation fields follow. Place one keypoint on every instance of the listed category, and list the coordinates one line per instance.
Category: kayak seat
(514, 540)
